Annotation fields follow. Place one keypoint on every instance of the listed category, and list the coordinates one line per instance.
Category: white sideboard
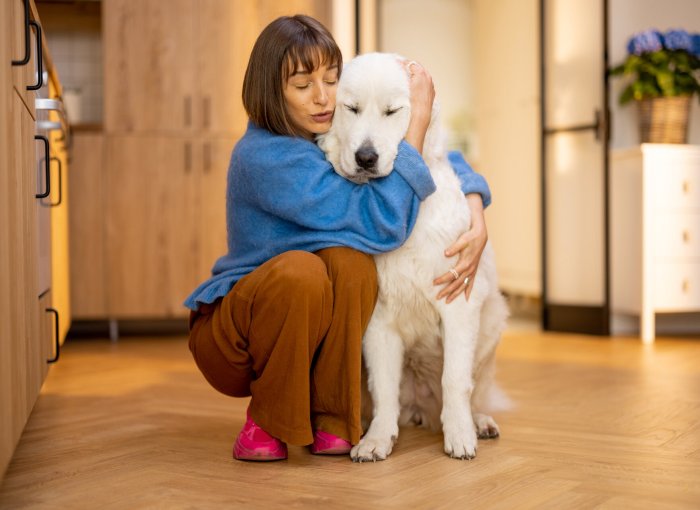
(655, 232)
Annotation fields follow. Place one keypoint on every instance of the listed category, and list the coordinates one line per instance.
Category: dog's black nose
(366, 157)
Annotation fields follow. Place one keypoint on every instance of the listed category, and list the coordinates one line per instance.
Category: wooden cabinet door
(225, 32)
(152, 214)
(25, 74)
(216, 153)
(148, 58)
(22, 368)
(58, 206)
(269, 10)
(88, 213)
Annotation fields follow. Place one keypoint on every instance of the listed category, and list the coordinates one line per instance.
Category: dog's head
(371, 117)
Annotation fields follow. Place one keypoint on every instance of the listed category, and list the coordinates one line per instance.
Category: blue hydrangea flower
(678, 40)
(645, 42)
(696, 44)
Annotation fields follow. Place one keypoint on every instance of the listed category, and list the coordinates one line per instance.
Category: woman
(282, 317)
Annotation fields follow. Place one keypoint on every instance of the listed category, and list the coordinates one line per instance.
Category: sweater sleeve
(292, 180)
(471, 181)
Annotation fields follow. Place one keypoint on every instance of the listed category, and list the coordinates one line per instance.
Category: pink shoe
(329, 444)
(253, 443)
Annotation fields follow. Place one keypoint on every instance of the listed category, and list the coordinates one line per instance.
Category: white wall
(436, 34)
(626, 18)
(483, 56)
(505, 39)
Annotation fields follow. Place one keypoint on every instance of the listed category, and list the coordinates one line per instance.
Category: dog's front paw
(486, 427)
(372, 449)
(461, 445)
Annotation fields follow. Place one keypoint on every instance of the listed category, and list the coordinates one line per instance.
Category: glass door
(575, 166)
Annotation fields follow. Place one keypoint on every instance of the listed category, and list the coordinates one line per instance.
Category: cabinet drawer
(676, 235)
(677, 286)
(674, 175)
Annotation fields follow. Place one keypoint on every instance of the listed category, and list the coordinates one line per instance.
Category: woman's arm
(291, 179)
(471, 181)
(469, 246)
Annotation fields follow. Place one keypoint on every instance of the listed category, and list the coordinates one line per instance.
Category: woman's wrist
(476, 207)
(415, 134)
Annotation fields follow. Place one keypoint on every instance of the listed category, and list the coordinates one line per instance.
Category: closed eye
(391, 111)
(354, 109)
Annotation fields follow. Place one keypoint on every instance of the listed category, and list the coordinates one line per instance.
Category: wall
(626, 18)
(437, 35)
(505, 42)
(483, 56)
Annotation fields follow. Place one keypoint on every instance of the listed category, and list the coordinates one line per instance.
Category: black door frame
(594, 320)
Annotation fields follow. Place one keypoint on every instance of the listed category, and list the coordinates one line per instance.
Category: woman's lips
(322, 118)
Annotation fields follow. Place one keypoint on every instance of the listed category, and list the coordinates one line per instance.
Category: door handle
(57, 333)
(47, 166)
(24, 60)
(39, 58)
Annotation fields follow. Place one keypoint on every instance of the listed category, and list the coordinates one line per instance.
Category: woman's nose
(321, 95)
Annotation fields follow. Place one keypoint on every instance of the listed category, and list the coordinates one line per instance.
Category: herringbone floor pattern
(597, 423)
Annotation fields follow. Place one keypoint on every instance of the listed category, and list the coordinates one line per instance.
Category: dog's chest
(406, 274)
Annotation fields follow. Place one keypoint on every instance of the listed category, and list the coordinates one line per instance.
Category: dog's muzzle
(366, 158)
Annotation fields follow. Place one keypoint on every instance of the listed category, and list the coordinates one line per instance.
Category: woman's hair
(282, 47)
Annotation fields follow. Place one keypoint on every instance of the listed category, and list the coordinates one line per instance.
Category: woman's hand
(422, 95)
(469, 246)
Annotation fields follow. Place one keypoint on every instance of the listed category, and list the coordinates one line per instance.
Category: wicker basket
(664, 119)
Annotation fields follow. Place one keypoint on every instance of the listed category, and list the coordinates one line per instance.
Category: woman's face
(310, 99)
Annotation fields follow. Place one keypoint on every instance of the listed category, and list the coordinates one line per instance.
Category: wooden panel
(8, 236)
(148, 78)
(226, 32)
(87, 227)
(269, 10)
(152, 212)
(60, 267)
(26, 74)
(21, 343)
(216, 153)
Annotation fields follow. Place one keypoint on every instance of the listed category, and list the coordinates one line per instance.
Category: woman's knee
(347, 266)
(300, 273)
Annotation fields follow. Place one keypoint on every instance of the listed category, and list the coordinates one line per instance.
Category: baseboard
(130, 327)
(586, 320)
(671, 324)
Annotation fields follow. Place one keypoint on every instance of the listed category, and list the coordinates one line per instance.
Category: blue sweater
(283, 195)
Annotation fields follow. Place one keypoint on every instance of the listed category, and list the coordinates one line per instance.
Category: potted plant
(665, 70)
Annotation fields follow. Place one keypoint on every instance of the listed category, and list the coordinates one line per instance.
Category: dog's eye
(391, 111)
(352, 108)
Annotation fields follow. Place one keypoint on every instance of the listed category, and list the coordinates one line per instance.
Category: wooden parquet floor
(596, 423)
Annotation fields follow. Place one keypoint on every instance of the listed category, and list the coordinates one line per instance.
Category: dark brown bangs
(311, 51)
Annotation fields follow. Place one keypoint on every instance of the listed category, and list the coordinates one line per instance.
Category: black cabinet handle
(47, 166)
(60, 181)
(25, 59)
(39, 58)
(56, 335)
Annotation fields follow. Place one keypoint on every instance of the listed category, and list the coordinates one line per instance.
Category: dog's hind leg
(487, 397)
(383, 354)
(461, 326)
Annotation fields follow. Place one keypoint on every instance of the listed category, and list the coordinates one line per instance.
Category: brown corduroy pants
(289, 334)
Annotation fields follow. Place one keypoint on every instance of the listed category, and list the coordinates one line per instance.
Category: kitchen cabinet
(225, 34)
(655, 227)
(87, 226)
(151, 227)
(149, 78)
(173, 79)
(162, 243)
(27, 330)
(23, 46)
(178, 66)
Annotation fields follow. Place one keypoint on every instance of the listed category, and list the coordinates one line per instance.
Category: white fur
(427, 361)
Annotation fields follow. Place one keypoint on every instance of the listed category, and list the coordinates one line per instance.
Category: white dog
(426, 360)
